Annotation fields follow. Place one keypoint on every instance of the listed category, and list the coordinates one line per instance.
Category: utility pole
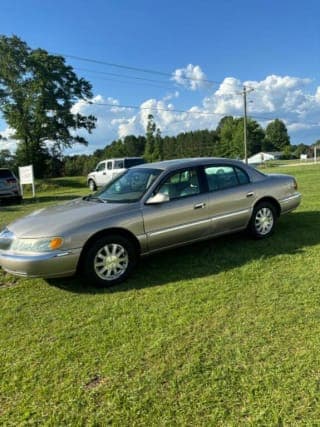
(244, 94)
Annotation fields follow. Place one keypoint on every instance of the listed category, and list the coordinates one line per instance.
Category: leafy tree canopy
(277, 135)
(37, 92)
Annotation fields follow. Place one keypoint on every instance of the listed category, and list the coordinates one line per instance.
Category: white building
(262, 157)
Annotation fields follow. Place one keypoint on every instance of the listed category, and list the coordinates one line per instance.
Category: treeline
(225, 141)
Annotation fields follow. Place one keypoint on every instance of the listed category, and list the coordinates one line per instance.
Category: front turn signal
(56, 243)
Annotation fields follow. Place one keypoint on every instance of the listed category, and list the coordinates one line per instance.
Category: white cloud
(292, 99)
(284, 97)
(191, 77)
(226, 100)
(7, 142)
(170, 96)
(295, 127)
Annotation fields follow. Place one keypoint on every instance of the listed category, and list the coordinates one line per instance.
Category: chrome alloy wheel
(264, 221)
(111, 261)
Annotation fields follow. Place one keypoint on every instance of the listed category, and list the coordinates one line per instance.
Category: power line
(137, 69)
(138, 107)
(122, 75)
(141, 81)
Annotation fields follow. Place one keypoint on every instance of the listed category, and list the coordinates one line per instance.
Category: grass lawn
(226, 332)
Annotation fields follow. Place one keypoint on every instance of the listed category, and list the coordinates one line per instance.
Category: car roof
(189, 162)
(121, 158)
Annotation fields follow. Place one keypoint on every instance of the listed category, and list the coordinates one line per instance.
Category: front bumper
(48, 265)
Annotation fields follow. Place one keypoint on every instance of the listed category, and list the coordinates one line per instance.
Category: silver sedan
(149, 208)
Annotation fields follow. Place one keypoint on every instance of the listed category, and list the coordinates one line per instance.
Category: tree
(134, 146)
(7, 160)
(226, 130)
(158, 146)
(37, 93)
(230, 132)
(150, 139)
(277, 135)
(299, 149)
(255, 137)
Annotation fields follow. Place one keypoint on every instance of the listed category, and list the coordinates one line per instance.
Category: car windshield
(5, 173)
(128, 187)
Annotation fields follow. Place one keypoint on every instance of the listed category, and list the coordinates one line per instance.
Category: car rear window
(5, 173)
(220, 177)
(129, 163)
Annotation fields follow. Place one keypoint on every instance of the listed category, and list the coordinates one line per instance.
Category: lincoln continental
(149, 208)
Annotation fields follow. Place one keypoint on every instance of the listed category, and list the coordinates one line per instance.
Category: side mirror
(158, 199)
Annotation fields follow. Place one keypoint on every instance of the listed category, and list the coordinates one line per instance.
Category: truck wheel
(92, 185)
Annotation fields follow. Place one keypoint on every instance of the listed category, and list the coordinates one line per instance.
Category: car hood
(57, 219)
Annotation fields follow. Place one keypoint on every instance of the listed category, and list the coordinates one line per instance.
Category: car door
(230, 197)
(118, 168)
(99, 174)
(181, 219)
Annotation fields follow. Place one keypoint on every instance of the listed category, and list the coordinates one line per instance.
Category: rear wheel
(92, 185)
(109, 260)
(263, 220)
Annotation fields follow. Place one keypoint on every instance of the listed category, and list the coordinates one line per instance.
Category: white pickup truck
(108, 169)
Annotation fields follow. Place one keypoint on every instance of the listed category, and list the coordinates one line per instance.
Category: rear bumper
(57, 264)
(290, 203)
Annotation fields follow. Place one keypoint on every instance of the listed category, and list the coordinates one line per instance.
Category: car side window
(242, 176)
(109, 165)
(118, 164)
(220, 177)
(101, 167)
(181, 184)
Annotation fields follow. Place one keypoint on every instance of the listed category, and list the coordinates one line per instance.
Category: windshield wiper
(94, 199)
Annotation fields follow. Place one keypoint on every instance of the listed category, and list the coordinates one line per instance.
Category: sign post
(26, 177)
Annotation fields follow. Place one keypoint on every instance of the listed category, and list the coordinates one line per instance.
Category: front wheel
(92, 185)
(109, 260)
(263, 220)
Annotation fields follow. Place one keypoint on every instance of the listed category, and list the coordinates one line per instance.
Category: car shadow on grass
(294, 232)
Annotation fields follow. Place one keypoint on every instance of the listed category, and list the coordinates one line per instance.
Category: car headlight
(37, 245)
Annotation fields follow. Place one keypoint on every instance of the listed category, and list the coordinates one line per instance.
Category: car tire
(109, 260)
(263, 220)
(92, 185)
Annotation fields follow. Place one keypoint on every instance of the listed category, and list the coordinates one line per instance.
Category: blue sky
(271, 46)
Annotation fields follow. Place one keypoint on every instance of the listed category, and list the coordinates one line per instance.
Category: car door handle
(199, 205)
(250, 194)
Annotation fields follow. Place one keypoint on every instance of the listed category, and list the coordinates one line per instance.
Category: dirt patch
(6, 280)
(95, 382)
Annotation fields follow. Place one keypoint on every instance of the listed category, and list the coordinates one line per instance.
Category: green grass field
(226, 332)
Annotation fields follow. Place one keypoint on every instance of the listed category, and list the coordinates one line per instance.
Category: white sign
(26, 177)
(303, 157)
